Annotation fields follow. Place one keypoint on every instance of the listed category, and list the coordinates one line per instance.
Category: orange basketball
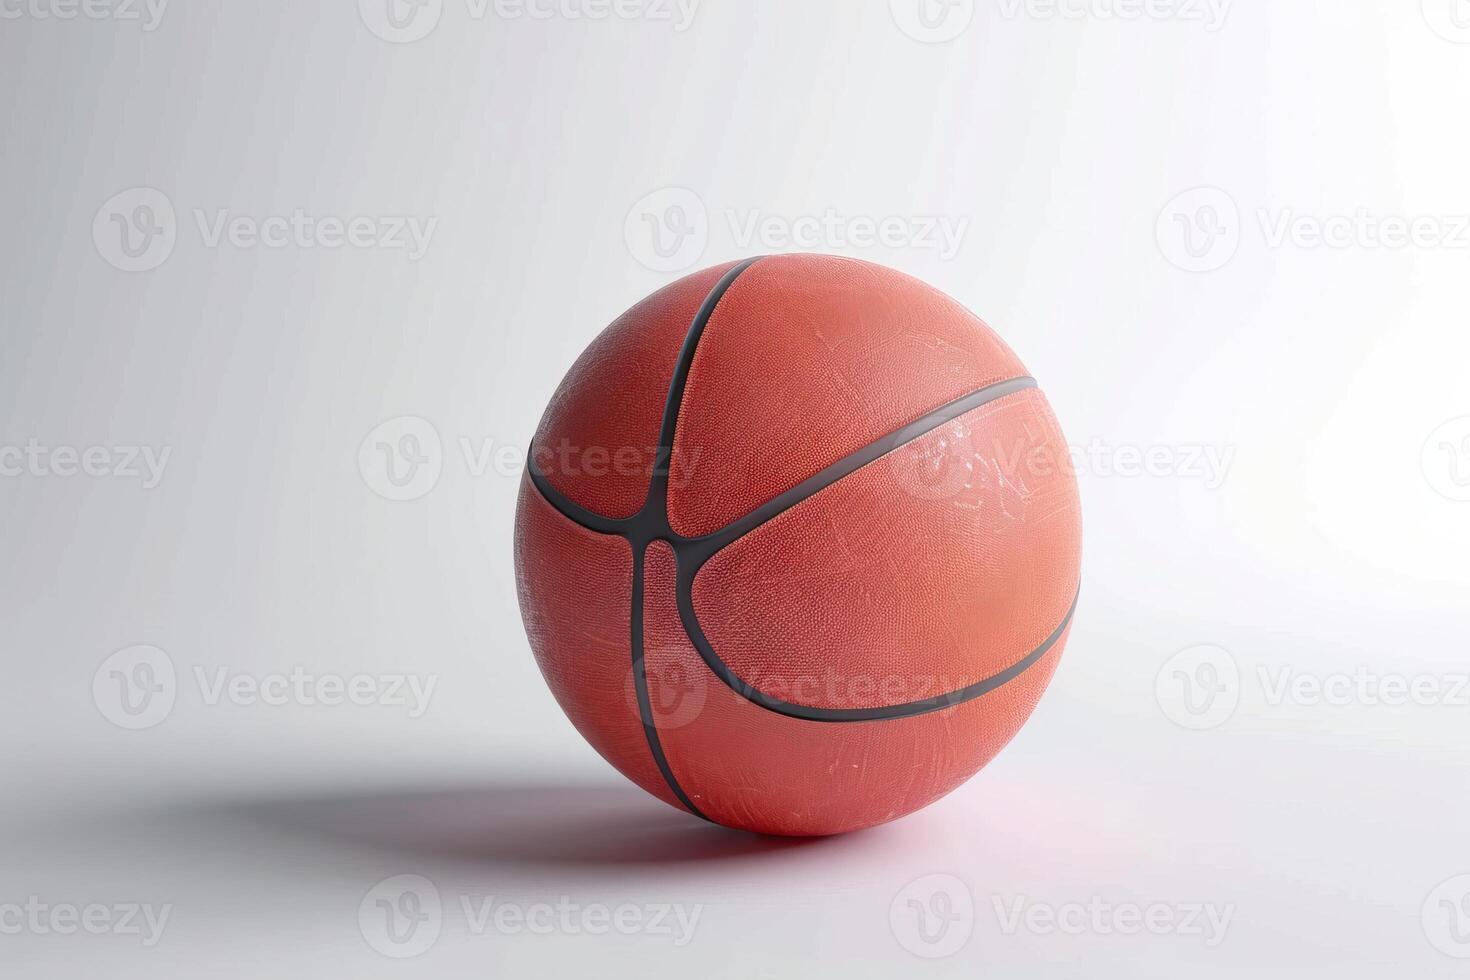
(798, 544)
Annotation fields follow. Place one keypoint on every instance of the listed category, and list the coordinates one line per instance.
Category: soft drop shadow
(512, 822)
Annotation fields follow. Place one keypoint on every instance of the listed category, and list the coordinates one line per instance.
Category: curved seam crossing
(655, 527)
(655, 509)
(693, 553)
(651, 524)
(885, 712)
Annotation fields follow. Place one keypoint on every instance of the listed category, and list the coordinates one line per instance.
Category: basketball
(798, 544)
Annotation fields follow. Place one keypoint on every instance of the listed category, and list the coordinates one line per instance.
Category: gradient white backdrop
(246, 246)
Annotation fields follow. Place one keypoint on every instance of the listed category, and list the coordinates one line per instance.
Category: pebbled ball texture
(835, 582)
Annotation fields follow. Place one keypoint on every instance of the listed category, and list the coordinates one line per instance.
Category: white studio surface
(1230, 238)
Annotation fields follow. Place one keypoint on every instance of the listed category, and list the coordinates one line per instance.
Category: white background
(1137, 185)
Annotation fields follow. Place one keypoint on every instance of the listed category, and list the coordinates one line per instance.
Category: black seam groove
(655, 511)
(885, 712)
(640, 686)
(706, 547)
(692, 553)
(651, 524)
